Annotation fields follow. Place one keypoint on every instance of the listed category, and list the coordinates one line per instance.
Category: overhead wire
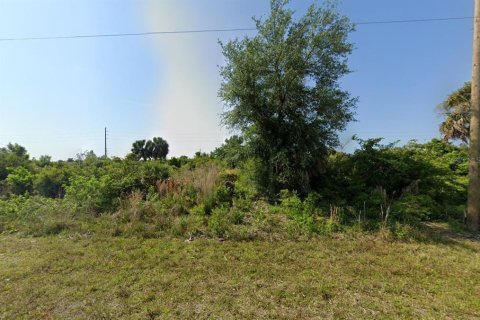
(132, 34)
(152, 33)
(412, 20)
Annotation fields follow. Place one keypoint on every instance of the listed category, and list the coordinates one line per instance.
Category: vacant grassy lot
(114, 278)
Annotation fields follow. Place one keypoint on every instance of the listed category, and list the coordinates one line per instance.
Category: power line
(152, 33)
(413, 20)
(133, 34)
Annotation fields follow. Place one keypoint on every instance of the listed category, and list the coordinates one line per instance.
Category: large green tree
(456, 108)
(281, 90)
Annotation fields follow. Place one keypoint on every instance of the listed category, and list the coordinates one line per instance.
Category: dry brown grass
(204, 179)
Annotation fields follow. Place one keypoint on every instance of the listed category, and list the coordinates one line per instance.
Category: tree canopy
(13, 155)
(155, 149)
(456, 125)
(281, 91)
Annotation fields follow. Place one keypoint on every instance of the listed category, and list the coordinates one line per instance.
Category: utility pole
(473, 206)
(105, 143)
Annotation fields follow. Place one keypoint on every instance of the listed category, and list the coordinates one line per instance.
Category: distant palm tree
(160, 148)
(139, 150)
(456, 108)
(149, 149)
(156, 149)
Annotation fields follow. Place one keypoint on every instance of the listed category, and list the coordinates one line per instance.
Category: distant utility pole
(105, 143)
(473, 207)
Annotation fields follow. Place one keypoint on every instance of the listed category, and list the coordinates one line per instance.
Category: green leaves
(456, 107)
(155, 149)
(13, 155)
(159, 148)
(20, 180)
(281, 90)
(427, 178)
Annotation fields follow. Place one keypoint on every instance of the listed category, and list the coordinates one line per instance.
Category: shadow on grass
(451, 234)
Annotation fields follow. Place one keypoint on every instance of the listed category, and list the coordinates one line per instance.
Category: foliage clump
(211, 196)
(281, 91)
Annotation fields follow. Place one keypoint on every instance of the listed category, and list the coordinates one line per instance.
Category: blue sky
(56, 96)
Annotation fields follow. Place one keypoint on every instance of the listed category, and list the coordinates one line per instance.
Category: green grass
(337, 277)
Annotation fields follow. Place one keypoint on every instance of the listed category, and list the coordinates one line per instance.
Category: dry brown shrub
(204, 179)
(134, 209)
(168, 187)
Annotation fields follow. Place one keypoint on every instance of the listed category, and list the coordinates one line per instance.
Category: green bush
(236, 216)
(435, 172)
(152, 171)
(37, 216)
(415, 208)
(93, 194)
(218, 222)
(50, 182)
(20, 180)
(12, 156)
(303, 214)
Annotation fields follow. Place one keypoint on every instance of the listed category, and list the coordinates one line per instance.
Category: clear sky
(56, 96)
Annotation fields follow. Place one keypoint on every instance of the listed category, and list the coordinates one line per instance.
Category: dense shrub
(378, 187)
(430, 177)
(303, 214)
(93, 194)
(218, 222)
(414, 208)
(19, 181)
(233, 152)
(11, 156)
(37, 216)
(51, 181)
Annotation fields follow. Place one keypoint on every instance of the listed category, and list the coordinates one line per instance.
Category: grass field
(337, 277)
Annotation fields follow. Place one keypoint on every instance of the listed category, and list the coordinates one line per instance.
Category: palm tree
(456, 108)
(139, 150)
(157, 148)
(149, 150)
(160, 148)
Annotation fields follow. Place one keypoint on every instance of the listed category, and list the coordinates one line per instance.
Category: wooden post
(473, 207)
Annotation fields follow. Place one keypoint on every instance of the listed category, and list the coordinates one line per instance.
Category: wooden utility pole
(473, 207)
(105, 143)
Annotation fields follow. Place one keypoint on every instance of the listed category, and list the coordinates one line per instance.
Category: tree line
(283, 98)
